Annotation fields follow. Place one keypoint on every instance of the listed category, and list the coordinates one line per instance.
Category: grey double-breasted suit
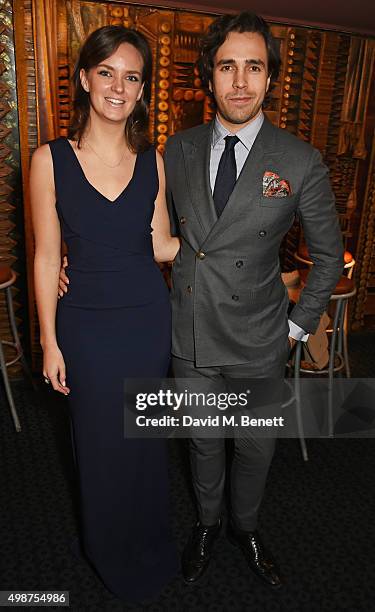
(229, 303)
(228, 298)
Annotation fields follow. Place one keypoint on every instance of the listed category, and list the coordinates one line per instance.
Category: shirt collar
(247, 134)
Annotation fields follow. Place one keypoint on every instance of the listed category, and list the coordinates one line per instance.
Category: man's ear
(268, 83)
(210, 86)
(84, 81)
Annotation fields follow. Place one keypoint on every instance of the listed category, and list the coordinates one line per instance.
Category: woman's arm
(47, 262)
(165, 245)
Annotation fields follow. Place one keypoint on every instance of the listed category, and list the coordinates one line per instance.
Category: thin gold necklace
(102, 160)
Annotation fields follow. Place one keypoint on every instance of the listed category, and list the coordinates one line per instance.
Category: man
(234, 187)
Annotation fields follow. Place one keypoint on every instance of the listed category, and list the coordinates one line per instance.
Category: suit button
(182, 220)
(235, 298)
(262, 233)
(239, 263)
(200, 255)
(189, 289)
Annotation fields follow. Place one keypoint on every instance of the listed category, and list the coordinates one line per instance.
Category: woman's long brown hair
(99, 46)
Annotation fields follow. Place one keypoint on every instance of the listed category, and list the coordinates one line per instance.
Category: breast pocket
(286, 203)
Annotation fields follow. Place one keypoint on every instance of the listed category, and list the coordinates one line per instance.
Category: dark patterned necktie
(226, 175)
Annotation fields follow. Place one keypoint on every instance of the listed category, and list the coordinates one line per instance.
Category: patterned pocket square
(274, 186)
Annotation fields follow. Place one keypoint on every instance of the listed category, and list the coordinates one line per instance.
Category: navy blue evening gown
(115, 323)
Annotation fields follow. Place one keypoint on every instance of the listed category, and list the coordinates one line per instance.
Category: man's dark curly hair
(219, 30)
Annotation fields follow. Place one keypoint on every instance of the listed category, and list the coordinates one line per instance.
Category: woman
(103, 189)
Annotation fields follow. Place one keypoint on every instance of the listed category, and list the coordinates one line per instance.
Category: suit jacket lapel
(248, 188)
(197, 153)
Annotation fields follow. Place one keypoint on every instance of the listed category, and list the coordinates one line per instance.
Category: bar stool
(7, 279)
(342, 293)
(338, 349)
(302, 256)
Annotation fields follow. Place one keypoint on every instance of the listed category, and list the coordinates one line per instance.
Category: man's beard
(241, 116)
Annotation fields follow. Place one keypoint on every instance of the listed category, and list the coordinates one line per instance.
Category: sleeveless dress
(114, 323)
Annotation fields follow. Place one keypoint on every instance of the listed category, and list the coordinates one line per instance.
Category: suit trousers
(252, 455)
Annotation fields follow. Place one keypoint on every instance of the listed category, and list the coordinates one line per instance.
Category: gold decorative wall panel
(322, 96)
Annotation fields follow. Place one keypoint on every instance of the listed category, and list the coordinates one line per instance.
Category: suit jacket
(229, 303)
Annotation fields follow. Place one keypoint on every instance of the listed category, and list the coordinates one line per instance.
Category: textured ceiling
(344, 15)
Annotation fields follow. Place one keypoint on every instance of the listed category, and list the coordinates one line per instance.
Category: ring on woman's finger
(47, 381)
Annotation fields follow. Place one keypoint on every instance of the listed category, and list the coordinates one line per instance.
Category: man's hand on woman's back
(63, 279)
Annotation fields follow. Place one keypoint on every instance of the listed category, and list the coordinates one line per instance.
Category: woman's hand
(54, 368)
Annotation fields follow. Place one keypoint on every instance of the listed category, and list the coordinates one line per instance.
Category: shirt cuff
(296, 332)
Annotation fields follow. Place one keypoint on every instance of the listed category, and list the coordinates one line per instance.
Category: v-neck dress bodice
(109, 242)
(113, 324)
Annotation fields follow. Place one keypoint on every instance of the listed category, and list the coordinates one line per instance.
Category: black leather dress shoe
(258, 559)
(197, 552)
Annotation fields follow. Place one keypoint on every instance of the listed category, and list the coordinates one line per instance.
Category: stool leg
(8, 390)
(297, 391)
(16, 337)
(345, 340)
(331, 366)
(339, 333)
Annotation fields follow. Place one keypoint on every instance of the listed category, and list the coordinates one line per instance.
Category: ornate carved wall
(365, 303)
(11, 212)
(322, 96)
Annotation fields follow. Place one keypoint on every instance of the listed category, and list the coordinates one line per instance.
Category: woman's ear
(84, 81)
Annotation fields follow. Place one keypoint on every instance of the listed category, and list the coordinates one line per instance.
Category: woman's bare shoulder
(42, 155)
